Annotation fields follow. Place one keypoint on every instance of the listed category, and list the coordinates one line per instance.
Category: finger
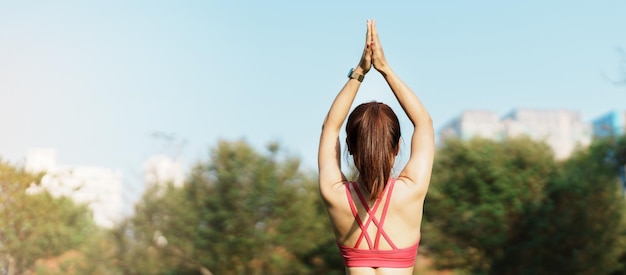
(368, 35)
(375, 33)
(367, 32)
(367, 40)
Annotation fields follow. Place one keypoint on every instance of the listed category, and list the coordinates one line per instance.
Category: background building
(471, 124)
(609, 124)
(562, 130)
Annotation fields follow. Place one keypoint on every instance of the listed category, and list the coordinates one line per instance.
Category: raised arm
(329, 154)
(419, 167)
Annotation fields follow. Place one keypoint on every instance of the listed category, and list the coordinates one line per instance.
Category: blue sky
(96, 79)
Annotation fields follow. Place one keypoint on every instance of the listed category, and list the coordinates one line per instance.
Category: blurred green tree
(510, 208)
(481, 192)
(36, 225)
(241, 213)
(580, 227)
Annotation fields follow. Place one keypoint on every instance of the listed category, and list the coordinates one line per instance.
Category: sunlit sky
(95, 80)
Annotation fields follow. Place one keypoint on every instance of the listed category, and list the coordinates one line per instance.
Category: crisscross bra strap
(371, 215)
(355, 213)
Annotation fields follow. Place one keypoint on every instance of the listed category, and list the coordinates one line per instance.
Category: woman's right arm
(419, 167)
(329, 157)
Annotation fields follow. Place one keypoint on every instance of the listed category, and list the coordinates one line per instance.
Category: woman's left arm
(329, 154)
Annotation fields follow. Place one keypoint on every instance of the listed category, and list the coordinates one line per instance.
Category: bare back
(401, 221)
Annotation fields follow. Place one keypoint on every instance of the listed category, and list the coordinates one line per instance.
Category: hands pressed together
(373, 54)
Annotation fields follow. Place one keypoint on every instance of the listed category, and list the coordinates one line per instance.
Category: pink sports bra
(374, 257)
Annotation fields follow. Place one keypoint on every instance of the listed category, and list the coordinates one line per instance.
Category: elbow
(422, 119)
(325, 124)
(425, 126)
(426, 121)
(331, 125)
(429, 120)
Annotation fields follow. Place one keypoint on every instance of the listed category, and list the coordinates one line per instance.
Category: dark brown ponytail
(373, 137)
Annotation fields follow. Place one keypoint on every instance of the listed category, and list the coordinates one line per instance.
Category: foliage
(579, 228)
(36, 226)
(510, 208)
(240, 213)
(481, 191)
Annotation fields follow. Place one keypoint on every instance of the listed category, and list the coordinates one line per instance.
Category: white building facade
(564, 131)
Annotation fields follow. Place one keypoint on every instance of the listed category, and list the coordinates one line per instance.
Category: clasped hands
(373, 54)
